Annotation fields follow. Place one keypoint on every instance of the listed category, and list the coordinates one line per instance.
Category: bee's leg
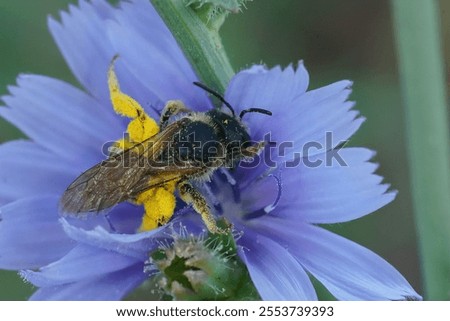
(172, 107)
(142, 126)
(254, 150)
(159, 204)
(191, 196)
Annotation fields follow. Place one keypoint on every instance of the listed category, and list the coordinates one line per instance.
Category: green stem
(423, 82)
(199, 40)
(222, 275)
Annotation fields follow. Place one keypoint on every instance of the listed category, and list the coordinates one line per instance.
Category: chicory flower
(274, 203)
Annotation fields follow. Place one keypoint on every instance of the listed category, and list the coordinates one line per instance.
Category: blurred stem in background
(417, 27)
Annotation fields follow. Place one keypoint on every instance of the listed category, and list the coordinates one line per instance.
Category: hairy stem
(200, 41)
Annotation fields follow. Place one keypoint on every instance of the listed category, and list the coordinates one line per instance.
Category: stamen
(270, 208)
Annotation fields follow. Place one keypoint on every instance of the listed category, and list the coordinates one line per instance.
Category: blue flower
(274, 206)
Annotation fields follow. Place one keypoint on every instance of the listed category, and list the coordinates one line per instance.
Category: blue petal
(272, 89)
(348, 270)
(125, 218)
(332, 193)
(29, 170)
(81, 38)
(82, 263)
(89, 55)
(299, 117)
(61, 118)
(335, 119)
(275, 273)
(113, 286)
(154, 58)
(30, 234)
(152, 68)
(133, 245)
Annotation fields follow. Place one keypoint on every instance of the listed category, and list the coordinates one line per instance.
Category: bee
(189, 147)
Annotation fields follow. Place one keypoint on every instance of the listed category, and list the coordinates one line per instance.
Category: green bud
(214, 12)
(195, 268)
(233, 6)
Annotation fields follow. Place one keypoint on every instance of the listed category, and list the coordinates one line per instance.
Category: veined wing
(124, 175)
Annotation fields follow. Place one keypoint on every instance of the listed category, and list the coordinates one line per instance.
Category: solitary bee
(189, 146)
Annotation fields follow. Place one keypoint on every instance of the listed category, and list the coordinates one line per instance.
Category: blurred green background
(346, 39)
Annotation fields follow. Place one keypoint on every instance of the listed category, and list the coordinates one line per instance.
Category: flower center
(256, 199)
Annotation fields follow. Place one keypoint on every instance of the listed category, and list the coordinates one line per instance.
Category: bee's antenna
(215, 93)
(255, 110)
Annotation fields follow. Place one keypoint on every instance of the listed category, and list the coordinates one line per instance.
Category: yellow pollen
(158, 202)
(159, 205)
(142, 128)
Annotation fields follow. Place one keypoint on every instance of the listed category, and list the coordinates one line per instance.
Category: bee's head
(230, 127)
(227, 104)
(232, 131)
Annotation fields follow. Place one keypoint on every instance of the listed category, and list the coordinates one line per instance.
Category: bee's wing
(165, 176)
(100, 187)
(123, 176)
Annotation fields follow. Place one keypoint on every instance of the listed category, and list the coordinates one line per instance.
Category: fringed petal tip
(336, 191)
(348, 270)
(74, 131)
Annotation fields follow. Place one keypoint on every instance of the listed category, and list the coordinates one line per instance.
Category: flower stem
(200, 41)
(423, 82)
(195, 25)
